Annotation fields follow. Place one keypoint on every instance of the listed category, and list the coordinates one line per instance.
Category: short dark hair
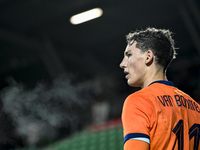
(158, 40)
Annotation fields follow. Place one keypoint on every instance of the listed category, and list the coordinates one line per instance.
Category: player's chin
(130, 83)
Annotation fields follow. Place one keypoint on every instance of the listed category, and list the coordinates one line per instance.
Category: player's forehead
(130, 48)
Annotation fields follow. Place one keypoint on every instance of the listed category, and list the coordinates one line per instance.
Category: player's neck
(152, 75)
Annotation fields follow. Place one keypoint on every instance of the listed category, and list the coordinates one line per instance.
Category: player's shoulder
(139, 101)
(145, 92)
(138, 98)
(180, 92)
(138, 94)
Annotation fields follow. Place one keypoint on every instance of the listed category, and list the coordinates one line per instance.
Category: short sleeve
(138, 117)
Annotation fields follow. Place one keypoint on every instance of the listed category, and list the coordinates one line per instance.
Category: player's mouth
(126, 74)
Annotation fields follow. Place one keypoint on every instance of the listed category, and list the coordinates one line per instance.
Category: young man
(159, 116)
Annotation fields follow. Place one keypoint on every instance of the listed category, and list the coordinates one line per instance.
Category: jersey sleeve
(138, 117)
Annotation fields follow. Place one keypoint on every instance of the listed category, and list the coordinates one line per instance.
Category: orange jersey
(162, 116)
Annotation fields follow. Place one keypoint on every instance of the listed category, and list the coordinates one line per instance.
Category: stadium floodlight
(86, 16)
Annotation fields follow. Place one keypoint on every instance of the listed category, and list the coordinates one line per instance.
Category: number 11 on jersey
(193, 133)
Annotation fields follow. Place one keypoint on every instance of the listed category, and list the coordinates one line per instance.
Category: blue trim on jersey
(137, 136)
(164, 82)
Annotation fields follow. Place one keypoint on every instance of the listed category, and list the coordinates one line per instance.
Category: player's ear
(149, 57)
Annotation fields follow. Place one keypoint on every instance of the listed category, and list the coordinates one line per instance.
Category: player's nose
(123, 63)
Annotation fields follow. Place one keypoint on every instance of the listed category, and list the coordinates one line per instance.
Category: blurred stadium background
(61, 85)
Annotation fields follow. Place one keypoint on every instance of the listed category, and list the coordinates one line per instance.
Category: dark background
(38, 44)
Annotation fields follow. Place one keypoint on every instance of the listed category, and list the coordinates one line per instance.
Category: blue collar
(164, 82)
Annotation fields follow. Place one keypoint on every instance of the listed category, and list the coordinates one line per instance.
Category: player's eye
(128, 55)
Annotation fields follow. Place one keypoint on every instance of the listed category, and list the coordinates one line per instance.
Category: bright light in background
(86, 16)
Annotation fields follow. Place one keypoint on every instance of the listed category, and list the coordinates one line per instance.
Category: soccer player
(159, 116)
